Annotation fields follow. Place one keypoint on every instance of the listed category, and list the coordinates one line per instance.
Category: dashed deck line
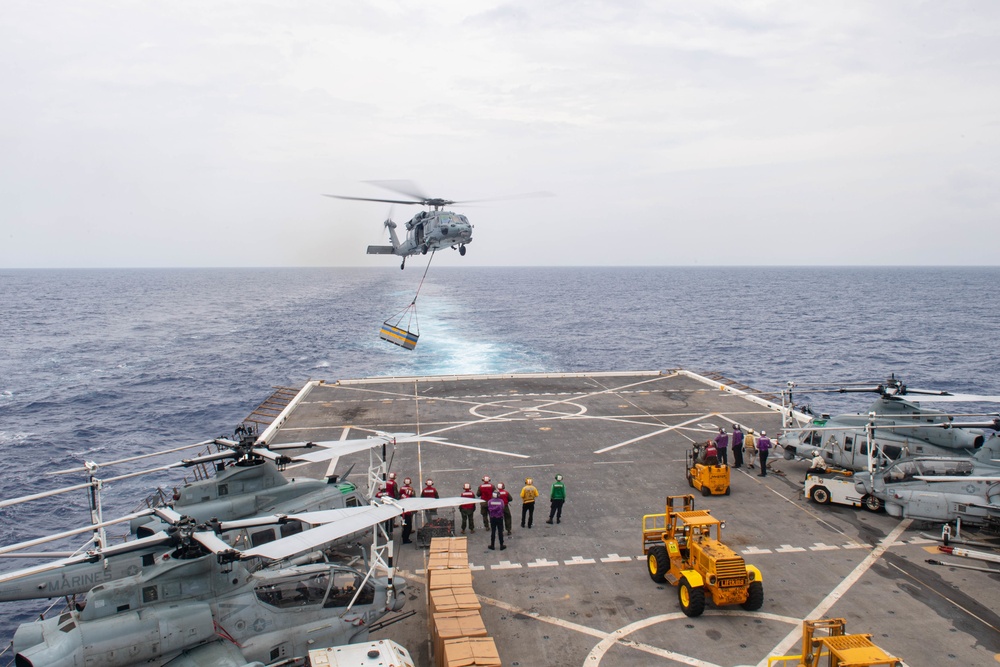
(748, 551)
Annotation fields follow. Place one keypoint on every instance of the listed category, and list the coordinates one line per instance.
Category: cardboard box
(452, 599)
(452, 559)
(449, 544)
(471, 652)
(454, 625)
(457, 578)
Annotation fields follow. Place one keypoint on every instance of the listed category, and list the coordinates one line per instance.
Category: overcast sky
(204, 133)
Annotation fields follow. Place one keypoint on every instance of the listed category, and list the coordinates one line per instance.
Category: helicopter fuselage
(428, 231)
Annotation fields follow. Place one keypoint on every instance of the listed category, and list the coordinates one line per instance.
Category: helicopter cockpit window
(345, 585)
(295, 592)
(901, 472)
(814, 439)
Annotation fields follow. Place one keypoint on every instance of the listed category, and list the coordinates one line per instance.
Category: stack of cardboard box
(459, 636)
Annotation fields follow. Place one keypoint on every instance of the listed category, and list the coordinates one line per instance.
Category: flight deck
(578, 592)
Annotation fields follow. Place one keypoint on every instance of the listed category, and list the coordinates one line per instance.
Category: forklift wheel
(658, 563)
(692, 599)
(705, 491)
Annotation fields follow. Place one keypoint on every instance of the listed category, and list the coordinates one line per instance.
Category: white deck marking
(754, 551)
(615, 558)
(541, 562)
(604, 463)
(617, 636)
(650, 435)
(819, 546)
(505, 565)
(579, 560)
(795, 636)
(537, 465)
(788, 548)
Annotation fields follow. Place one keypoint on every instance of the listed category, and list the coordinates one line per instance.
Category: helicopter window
(864, 448)
(262, 537)
(848, 443)
(223, 489)
(67, 627)
(892, 451)
(345, 584)
(814, 439)
(291, 528)
(352, 501)
(295, 592)
(149, 594)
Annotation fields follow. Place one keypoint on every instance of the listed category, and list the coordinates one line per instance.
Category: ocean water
(102, 364)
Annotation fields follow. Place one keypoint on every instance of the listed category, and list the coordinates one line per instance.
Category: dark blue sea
(101, 364)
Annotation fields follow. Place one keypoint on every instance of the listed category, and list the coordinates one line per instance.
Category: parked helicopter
(201, 603)
(939, 489)
(249, 481)
(895, 425)
(427, 231)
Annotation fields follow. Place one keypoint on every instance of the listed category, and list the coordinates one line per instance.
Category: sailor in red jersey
(467, 510)
(485, 493)
(406, 491)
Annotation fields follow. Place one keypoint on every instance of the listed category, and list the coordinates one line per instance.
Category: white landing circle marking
(615, 637)
(535, 410)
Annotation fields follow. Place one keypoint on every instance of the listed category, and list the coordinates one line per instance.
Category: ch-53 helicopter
(202, 603)
(427, 231)
(895, 425)
(943, 489)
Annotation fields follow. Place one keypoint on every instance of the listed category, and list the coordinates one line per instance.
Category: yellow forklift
(684, 547)
(705, 474)
(825, 643)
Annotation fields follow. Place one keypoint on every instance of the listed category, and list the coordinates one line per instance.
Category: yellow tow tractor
(826, 643)
(684, 548)
(705, 474)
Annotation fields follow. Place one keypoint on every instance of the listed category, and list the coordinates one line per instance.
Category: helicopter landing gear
(402, 264)
(461, 250)
(423, 249)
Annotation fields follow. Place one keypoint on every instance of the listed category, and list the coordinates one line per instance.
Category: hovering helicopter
(202, 603)
(894, 426)
(427, 231)
(940, 489)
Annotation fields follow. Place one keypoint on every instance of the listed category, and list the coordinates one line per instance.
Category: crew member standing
(485, 493)
(382, 492)
(528, 495)
(711, 453)
(737, 446)
(557, 496)
(507, 500)
(392, 490)
(722, 446)
(392, 486)
(495, 508)
(750, 448)
(763, 447)
(467, 511)
(406, 491)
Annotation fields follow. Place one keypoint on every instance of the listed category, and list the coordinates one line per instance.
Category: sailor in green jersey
(557, 496)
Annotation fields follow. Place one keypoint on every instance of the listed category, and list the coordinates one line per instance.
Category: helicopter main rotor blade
(403, 187)
(363, 520)
(388, 201)
(84, 468)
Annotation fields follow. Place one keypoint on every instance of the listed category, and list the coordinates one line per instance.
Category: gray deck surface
(577, 593)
